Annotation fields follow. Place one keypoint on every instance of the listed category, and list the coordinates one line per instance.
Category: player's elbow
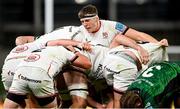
(87, 64)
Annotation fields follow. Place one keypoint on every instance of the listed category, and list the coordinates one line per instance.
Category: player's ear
(138, 103)
(97, 18)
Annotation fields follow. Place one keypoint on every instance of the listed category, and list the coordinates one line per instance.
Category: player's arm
(63, 42)
(80, 60)
(164, 42)
(139, 36)
(122, 40)
(68, 42)
(24, 39)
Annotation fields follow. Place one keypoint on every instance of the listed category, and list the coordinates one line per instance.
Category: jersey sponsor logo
(20, 49)
(32, 58)
(112, 71)
(105, 34)
(28, 79)
(11, 73)
(98, 72)
(120, 27)
(99, 68)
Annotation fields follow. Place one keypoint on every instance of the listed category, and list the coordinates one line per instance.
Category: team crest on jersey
(105, 34)
(32, 58)
(20, 49)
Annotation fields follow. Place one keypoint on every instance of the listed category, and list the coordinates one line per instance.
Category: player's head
(20, 40)
(131, 99)
(88, 16)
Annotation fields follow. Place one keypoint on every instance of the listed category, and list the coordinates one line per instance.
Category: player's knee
(79, 89)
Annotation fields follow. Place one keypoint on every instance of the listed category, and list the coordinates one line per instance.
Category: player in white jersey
(108, 33)
(98, 55)
(65, 32)
(121, 66)
(35, 74)
(15, 56)
(62, 33)
(95, 57)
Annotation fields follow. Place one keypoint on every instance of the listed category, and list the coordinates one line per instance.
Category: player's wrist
(139, 48)
(80, 45)
(75, 52)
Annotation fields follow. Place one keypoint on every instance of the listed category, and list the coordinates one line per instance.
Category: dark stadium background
(160, 18)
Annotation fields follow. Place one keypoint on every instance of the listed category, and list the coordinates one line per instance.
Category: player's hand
(144, 55)
(86, 46)
(164, 42)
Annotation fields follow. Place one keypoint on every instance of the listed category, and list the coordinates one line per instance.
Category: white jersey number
(148, 73)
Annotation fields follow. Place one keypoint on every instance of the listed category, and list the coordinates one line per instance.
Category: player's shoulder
(108, 22)
(113, 25)
(68, 28)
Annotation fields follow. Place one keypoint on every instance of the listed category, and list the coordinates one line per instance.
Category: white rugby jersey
(65, 32)
(51, 59)
(156, 52)
(21, 51)
(103, 36)
(96, 58)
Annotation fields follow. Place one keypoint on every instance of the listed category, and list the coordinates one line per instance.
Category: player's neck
(98, 27)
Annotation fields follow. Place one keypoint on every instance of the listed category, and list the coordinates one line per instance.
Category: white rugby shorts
(32, 79)
(119, 72)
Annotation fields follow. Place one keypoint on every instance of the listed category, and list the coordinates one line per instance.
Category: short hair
(88, 11)
(131, 99)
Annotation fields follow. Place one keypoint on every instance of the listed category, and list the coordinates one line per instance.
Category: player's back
(156, 81)
(96, 57)
(65, 32)
(50, 58)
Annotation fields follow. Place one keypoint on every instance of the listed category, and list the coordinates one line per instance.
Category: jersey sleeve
(61, 33)
(70, 56)
(121, 27)
(118, 26)
(28, 48)
(35, 46)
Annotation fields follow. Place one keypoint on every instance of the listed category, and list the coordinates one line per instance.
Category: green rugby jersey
(157, 83)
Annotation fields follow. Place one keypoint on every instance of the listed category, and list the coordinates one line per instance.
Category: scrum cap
(88, 11)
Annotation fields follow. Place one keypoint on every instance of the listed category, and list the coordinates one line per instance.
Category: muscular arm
(123, 40)
(139, 36)
(82, 61)
(63, 42)
(68, 42)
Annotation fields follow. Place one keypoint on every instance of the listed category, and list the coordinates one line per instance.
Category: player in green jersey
(155, 87)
